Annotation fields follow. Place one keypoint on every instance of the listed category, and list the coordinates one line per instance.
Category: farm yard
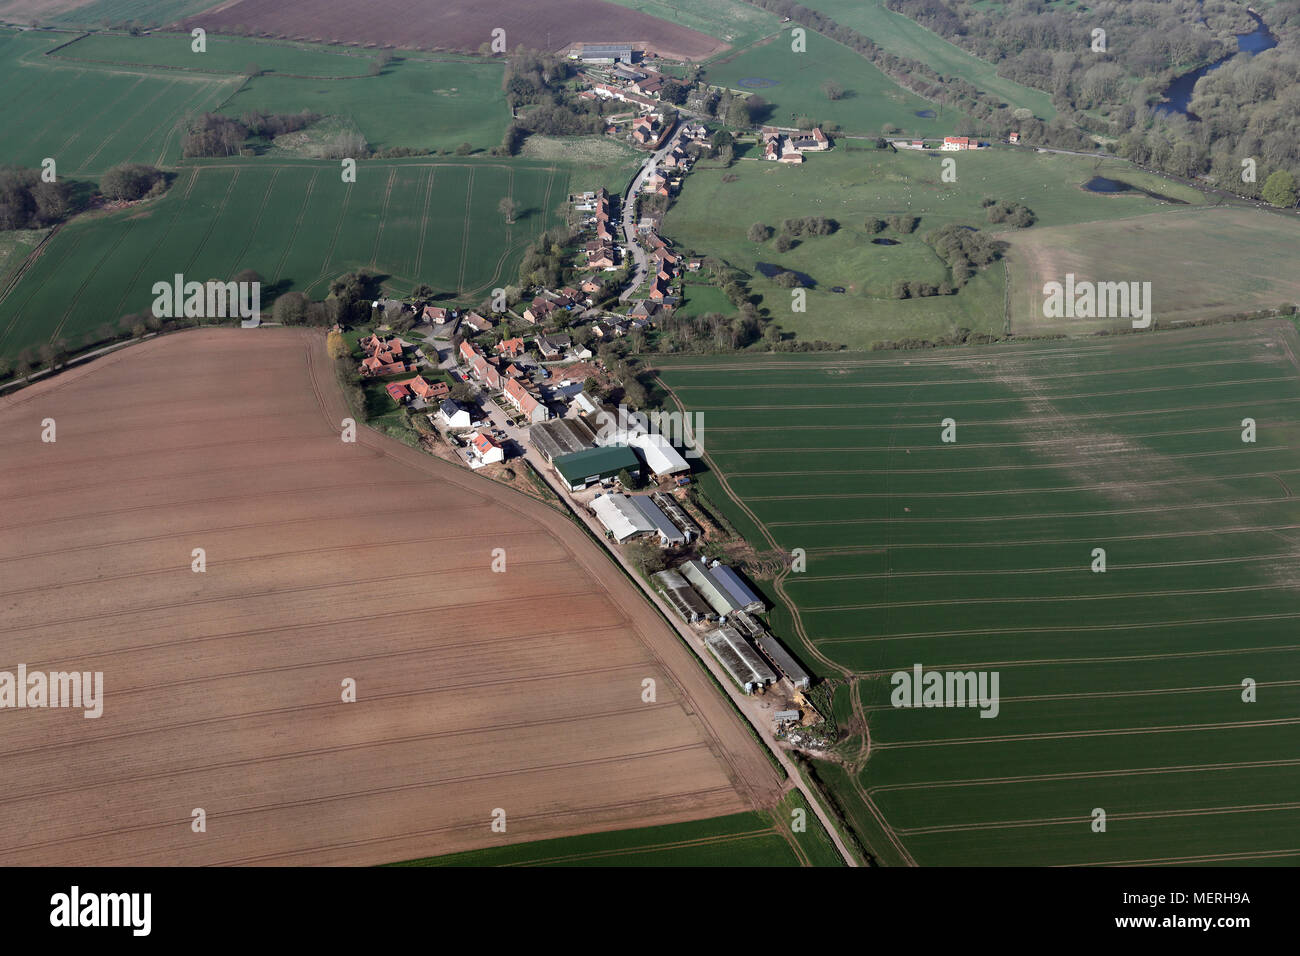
(852, 184)
(1120, 690)
(791, 84)
(225, 690)
(458, 24)
(412, 221)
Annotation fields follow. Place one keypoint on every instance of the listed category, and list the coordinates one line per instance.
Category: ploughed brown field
(457, 24)
(324, 561)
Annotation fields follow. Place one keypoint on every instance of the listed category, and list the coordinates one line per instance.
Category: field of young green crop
(792, 85)
(789, 835)
(221, 55)
(1121, 689)
(851, 185)
(413, 221)
(120, 115)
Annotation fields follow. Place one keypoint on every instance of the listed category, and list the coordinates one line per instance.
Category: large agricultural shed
(560, 437)
(605, 52)
(686, 601)
(585, 468)
(742, 662)
(620, 516)
(721, 587)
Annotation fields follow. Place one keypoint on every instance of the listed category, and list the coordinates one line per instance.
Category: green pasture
(732, 21)
(902, 36)
(1119, 689)
(852, 184)
(422, 102)
(791, 84)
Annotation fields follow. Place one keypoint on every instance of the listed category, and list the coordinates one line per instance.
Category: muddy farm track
(325, 561)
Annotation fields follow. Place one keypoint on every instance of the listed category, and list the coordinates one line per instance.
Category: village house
(469, 351)
(539, 311)
(398, 392)
(477, 322)
(384, 357)
(511, 348)
(453, 415)
(484, 449)
(427, 391)
(486, 372)
(951, 143)
(553, 346)
(526, 403)
(435, 315)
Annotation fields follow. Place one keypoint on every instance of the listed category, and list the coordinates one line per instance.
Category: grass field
(732, 21)
(791, 83)
(148, 12)
(1119, 690)
(421, 102)
(295, 223)
(88, 118)
(222, 55)
(1201, 263)
(853, 185)
(898, 34)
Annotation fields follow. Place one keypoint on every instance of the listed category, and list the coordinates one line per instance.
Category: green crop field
(792, 84)
(298, 225)
(852, 185)
(120, 116)
(731, 21)
(743, 839)
(222, 55)
(900, 35)
(1120, 689)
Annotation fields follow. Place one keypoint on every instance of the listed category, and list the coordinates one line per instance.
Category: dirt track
(325, 561)
(457, 24)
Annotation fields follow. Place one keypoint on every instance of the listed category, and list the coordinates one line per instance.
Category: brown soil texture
(324, 561)
(457, 24)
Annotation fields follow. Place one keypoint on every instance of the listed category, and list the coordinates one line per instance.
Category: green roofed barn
(584, 468)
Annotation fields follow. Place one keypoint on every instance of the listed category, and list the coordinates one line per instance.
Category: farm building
(741, 661)
(621, 517)
(686, 601)
(721, 587)
(661, 459)
(677, 515)
(669, 534)
(783, 660)
(697, 573)
(584, 468)
(605, 52)
(563, 436)
(737, 590)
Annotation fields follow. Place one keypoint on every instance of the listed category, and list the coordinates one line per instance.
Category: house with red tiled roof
(429, 391)
(485, 450)
(525, 401)
(398, 392)
(511, 348)
(486, 372)
(469, 351)
(436, 315)
(951, 143)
